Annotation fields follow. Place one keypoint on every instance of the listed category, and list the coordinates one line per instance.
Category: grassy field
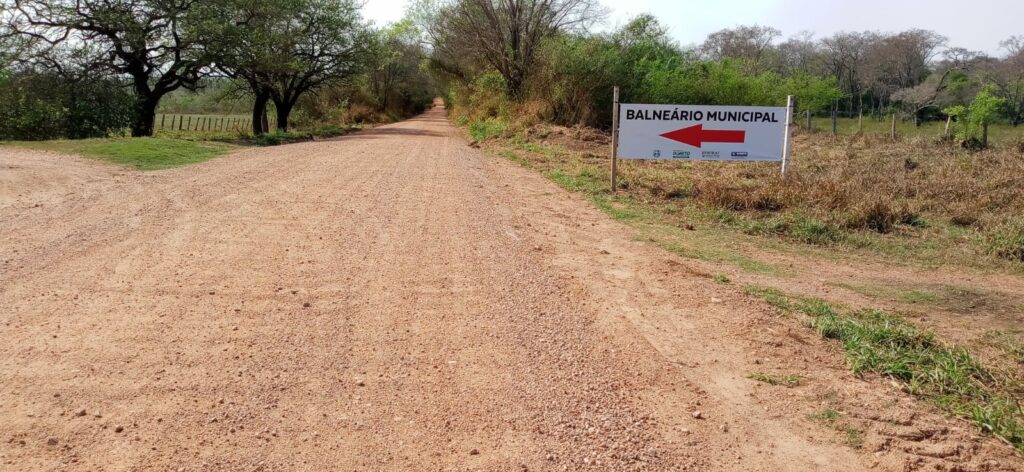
(141, 153)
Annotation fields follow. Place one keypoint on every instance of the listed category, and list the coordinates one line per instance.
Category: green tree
(973, 120)
(285, 48)
(395, 78)
(146, 40)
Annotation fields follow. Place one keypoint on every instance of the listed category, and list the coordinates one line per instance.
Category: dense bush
(576, 74)
(46, 106)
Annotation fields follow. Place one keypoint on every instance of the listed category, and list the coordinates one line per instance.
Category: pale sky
(973, 24)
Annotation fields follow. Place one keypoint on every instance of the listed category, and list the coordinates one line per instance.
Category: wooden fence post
(809, 124)
(893, 132)
(835, 120)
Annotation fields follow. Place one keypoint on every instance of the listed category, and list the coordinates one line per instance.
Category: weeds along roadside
(885, 344)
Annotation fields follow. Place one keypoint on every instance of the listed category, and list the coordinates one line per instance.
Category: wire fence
(206, 123)
(899, 126)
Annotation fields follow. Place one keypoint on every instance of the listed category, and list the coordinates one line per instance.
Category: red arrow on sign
(696, 136)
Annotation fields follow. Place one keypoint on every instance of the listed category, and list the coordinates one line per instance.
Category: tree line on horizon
(543, 52)
(81, 68)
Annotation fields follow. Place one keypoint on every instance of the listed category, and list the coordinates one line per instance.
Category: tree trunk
(144, 117)
(516, 86)
(259, 113)
(284, 110)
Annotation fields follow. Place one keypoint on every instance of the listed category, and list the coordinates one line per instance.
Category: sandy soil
(396, 300)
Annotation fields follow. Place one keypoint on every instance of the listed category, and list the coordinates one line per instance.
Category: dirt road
(396, 300)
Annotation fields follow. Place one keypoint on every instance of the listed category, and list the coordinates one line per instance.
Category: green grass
(796, 227)
(512, 156)
(784, 380)
(886, 344)
(487, 129)
(827, 415)
(141, 153)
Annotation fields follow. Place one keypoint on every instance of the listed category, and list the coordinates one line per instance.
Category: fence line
(205, 123)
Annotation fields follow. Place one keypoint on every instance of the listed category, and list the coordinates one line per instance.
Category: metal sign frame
(786, 150)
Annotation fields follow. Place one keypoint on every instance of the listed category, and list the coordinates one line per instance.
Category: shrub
(40, 106)
(812, 231)
(880, 216)
(487, 129)
(277, 138)
(1007, 242)
(984, 110)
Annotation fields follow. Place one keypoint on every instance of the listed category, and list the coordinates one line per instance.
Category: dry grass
(847, 189)
(913, 196)
(856, 183)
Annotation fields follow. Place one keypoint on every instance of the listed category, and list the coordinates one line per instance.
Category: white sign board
(702, 133)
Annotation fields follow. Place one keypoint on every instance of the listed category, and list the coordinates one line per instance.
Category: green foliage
(278, 138)
(395, 80)
(578, 74)
(487, 129)
(217, 96)
(284, 49)
(885, 344)
(795, 226)
(46, 106)
(984, 110)
(141, 153)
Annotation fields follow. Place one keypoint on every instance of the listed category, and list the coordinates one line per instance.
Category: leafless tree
(1007, 76)
(800, 54)
(751, 44)
(505, 34)
(905, 59)
(843, 55)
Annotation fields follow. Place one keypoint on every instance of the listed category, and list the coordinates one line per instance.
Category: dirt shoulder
(395, 299)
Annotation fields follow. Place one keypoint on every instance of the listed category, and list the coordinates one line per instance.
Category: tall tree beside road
(285, 48)
(506, 34)
(146, 40)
